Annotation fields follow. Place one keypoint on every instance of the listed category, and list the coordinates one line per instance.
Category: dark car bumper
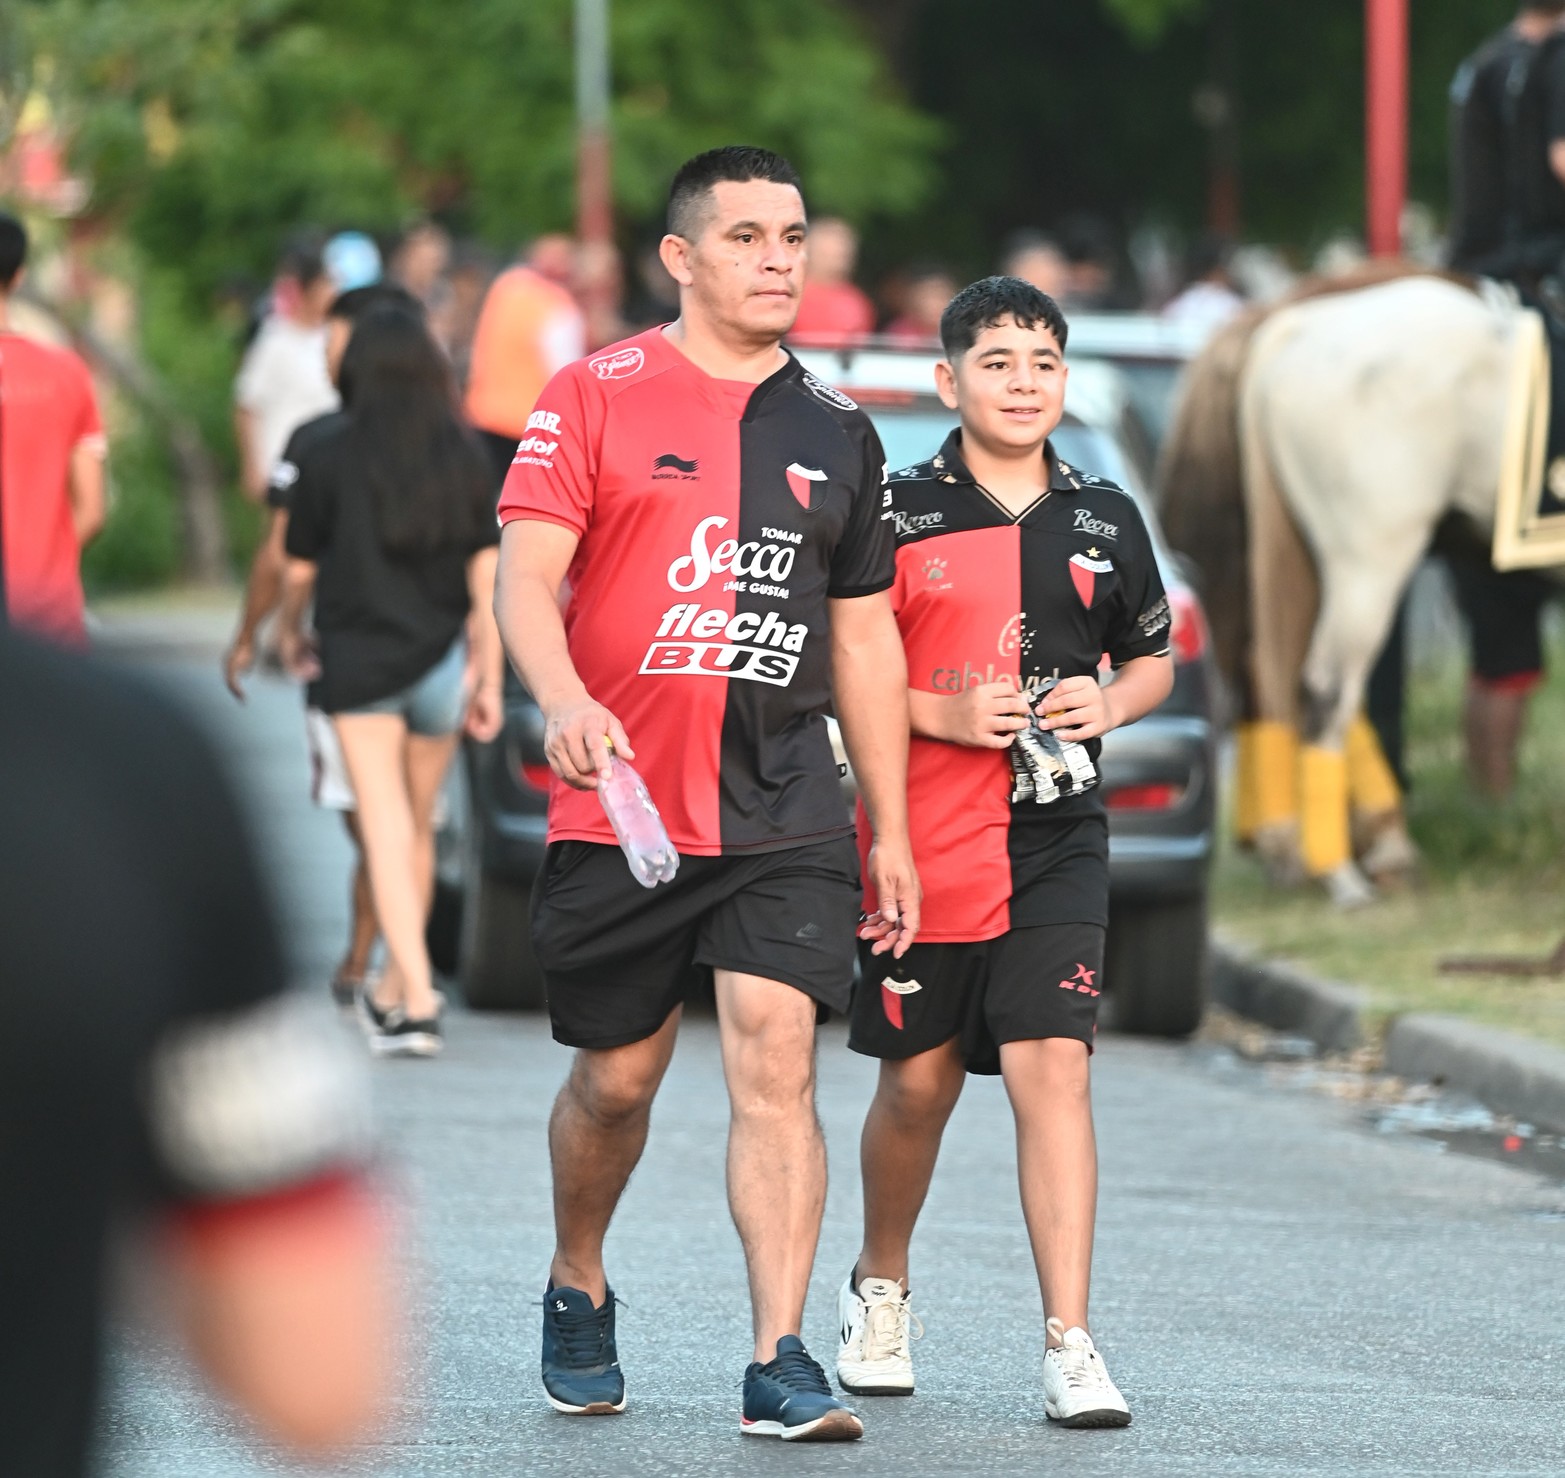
(1160, 851)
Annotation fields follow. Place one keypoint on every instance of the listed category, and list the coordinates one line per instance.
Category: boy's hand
(1077, 709)
(986, 716)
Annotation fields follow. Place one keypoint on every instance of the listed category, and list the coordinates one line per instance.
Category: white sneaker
(1077, 1391)
(878, 1324)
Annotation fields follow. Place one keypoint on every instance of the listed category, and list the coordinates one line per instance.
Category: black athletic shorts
(1028, 984)
(1503, 610)
(617, 958)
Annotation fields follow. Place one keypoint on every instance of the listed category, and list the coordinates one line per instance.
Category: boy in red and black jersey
(1016, 574)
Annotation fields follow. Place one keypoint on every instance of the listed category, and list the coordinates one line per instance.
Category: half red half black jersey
(716, 518)
(981, 594)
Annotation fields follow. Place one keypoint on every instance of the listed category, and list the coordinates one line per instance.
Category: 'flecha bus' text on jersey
(982, 595)
(716, 518)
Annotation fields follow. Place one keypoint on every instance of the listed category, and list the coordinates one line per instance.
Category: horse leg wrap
(1372, 788)
(1268, 777)
(1323, 810)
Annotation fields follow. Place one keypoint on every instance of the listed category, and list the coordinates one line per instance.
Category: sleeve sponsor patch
(251, 1100)
(822, 391)
(1155, 620)
(284, 476)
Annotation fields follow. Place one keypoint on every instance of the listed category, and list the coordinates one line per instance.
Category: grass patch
(1493, 879)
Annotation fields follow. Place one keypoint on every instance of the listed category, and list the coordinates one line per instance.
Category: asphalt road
(1279, 1289)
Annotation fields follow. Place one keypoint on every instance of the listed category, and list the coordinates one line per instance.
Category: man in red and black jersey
(720, 520)
(1016, 575)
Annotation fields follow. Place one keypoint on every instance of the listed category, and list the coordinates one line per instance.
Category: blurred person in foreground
(1508, 222)
(1209, 298)
(720, 515)
(329, 785)
(530, 329)
(928, 289)
(154, 1068)
(51, 469)
(1007, 974)
(391, 529)
(282, 380)
(833, 310)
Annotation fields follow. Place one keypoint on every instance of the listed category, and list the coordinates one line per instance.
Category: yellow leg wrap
(1323, 810)
(1372, 787)
(1268, 777)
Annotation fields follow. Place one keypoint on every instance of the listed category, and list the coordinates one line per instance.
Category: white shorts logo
(901, 987)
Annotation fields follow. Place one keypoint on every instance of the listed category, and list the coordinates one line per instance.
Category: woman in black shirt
(392, 529)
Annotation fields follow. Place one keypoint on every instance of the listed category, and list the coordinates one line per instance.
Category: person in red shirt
(722, 518)
(832, 309)
(1015, 575)
(51, 469)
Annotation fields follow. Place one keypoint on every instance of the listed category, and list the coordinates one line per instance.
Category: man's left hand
(1077, 709)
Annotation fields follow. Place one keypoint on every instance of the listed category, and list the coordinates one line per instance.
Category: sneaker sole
(874, 1387)
(592, 1408)
(835, 1426)
(1103, 1417)
(419, 1045)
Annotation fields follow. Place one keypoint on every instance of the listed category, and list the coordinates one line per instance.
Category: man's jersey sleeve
(1145, 622)
(865, 561)
(554, 474)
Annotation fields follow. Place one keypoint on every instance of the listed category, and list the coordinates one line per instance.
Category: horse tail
(1201, 482)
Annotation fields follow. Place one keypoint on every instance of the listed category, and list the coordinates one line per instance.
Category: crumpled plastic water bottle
(642, 836)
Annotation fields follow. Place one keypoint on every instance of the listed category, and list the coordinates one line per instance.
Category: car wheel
(443, 931)
(1156, 966)
(499, 971)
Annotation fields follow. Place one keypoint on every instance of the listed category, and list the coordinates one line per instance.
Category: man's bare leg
(776, 1151)
(897, 1153)
(596, 1135)
(1049, 1085)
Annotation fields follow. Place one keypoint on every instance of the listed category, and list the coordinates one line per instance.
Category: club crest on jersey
(802, 481)
(617, 365)
(1085, 569)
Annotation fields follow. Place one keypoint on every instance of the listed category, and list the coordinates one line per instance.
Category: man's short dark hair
(690, 195)
(304, 260)
(352, 305)
(13, 249)
(989, 301)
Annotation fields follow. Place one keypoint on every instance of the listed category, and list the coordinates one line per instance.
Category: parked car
(1159, 775)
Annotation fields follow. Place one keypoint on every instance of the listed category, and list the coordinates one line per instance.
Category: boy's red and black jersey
(716, 518)
(982, 594)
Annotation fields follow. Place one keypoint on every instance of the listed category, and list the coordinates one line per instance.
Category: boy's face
(1009, 388)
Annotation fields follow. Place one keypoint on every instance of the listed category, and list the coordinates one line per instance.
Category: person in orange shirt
(51, 469)
(832, 310)
(529, 329)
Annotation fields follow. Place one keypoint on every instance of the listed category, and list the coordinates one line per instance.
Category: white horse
(1349, 422)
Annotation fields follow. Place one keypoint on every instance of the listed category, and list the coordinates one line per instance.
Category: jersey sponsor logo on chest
(1087, 524)
(717, 643)
(770, 559)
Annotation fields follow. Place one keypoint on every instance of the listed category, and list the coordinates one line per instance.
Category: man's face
(1009, 388)
(745, 268)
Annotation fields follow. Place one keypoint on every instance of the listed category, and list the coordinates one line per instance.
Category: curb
(1330, 1014)
(1507, 1073)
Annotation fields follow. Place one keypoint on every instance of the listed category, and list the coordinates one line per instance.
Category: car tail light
(1188, 636)
(1162, 797)
(537, 776)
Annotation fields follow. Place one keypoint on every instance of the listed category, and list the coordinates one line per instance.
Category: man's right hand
(576, 741)
(237, 661)
(985, 716)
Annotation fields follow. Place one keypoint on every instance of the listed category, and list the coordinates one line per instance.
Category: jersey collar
(951, 467)
(662, 351)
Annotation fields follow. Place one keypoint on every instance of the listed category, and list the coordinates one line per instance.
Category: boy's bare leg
(897, 1153)
(1049, 1085)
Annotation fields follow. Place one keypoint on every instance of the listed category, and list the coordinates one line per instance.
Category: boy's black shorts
(617, 958)
(1043, 981)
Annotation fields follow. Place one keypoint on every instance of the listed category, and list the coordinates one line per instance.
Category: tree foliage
(210, 125)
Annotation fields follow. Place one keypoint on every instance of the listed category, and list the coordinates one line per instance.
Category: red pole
(1386, 115)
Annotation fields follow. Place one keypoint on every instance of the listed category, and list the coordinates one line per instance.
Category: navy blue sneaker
(788, 1397)
(581, 1374)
